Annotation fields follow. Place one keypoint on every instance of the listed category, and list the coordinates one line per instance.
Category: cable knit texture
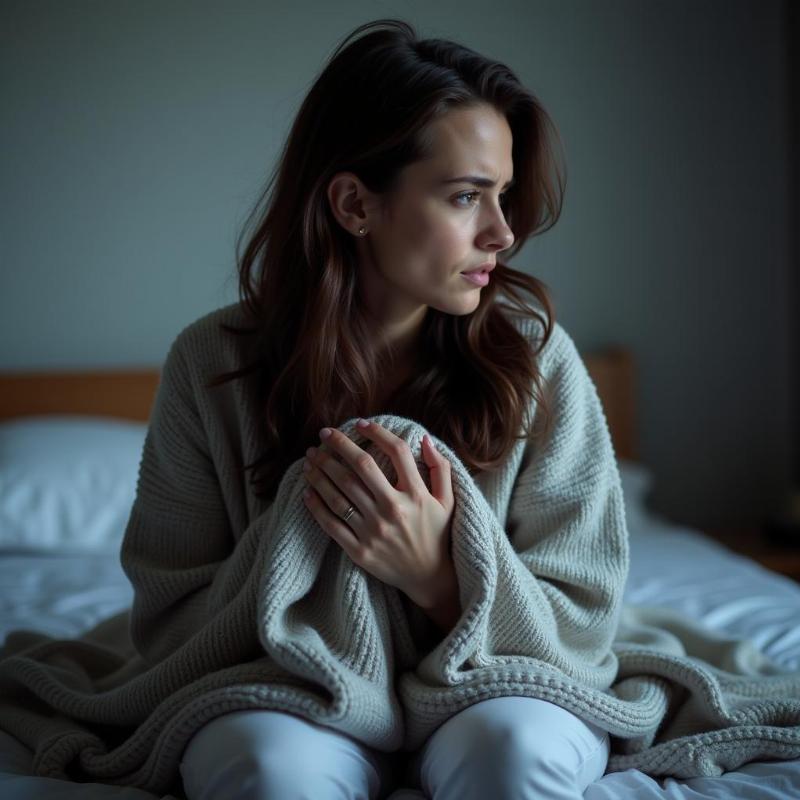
(240, 604)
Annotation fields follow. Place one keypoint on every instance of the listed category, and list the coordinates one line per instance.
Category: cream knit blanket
(286, 621)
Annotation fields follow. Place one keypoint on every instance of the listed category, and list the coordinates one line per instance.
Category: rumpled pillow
(67, 483)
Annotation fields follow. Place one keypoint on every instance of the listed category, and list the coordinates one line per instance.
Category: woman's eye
(466, 199)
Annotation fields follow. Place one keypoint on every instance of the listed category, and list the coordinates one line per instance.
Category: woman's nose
(496, 235)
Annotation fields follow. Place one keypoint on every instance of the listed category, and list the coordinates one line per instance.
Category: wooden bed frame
(128, 394)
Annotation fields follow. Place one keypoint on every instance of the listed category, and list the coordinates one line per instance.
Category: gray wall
(136, 136)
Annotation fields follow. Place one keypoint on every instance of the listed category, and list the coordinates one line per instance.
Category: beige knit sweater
(242, 604)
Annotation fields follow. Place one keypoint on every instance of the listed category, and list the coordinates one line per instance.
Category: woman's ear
(348, 198)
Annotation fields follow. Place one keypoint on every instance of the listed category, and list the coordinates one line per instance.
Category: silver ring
(349, 513)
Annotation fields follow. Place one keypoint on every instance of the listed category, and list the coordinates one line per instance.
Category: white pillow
(637, 481)
(67, 483)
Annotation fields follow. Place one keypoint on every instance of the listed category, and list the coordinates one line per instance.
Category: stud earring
(362, 230)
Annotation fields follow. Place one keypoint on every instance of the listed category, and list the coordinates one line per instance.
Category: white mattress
(670, 566)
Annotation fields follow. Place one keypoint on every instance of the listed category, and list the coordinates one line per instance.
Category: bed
(69, 450)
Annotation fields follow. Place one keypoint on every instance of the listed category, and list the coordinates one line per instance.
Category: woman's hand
(400, 534)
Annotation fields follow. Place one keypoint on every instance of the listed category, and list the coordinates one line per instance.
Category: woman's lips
(478, 278)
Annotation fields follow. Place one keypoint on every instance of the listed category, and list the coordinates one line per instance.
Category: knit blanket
(296, 626)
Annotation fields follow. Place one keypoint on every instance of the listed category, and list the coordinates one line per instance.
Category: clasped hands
(401, 533)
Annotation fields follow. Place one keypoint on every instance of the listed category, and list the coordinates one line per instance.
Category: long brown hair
(315, 358)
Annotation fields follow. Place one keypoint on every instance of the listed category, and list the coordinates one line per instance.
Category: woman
(413, 166)
(438, 614)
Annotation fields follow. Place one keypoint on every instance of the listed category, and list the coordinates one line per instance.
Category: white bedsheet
(670, 566)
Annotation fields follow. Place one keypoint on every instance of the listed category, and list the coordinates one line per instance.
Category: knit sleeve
(566, 519)
(179, 551)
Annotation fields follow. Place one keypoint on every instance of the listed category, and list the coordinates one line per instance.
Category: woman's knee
(253, 755)
(516, 742)
(525, 728)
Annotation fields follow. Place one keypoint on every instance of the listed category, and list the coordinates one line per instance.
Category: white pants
(506, 748)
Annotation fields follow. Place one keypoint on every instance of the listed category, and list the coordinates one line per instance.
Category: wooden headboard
(128, 394)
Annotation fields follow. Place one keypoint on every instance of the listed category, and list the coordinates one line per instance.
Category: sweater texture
(244, 604)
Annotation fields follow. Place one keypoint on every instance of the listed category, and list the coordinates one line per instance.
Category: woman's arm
(179, 551)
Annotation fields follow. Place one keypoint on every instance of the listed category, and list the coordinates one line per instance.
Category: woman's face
(443, 218)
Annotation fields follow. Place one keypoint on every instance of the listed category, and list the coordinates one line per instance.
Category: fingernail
(324, 433)
(362, 423)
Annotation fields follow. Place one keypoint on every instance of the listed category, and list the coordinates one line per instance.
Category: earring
(362, 230)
